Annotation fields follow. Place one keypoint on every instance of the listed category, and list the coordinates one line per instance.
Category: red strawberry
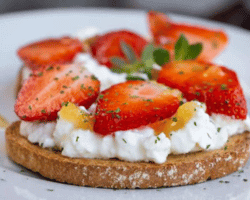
(43, 94)
(49, 52)
(176, 74)
(108, 45)
(166, 33)
(133, 104)
(215, 85)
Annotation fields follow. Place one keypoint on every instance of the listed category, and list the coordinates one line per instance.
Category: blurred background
(236, 12)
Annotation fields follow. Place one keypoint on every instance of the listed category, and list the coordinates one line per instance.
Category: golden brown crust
(178, 170)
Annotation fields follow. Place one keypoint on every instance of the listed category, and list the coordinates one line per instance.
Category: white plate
(21, 28)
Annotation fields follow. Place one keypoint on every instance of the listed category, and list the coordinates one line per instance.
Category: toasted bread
(180, 169)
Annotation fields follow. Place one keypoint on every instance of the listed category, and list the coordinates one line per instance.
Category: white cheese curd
(157, 67)
(37, 132)
(86, 33)
(82, 143)
(199, 131)
(62, 132)
(157, 148)
(131, 145)
(86, 144)
(108, 147)
(204, 132)
(92, 108)
(25, 73)
(84, 109)
(142, 145)
(106, 77)
(232, 126)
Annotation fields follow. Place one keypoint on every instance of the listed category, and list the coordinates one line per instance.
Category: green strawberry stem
(151, 56)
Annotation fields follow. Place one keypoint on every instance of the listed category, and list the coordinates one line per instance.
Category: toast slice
(181, 169)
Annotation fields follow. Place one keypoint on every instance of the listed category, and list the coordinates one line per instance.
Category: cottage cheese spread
(86, 33)
(104, 75)
(25, 73)
(132, 145)
(38, 132)
(202, 132)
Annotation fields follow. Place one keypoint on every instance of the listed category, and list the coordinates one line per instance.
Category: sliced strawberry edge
(166, 32)
(122, 116)
(217, 96)
(99, 50)
(31, 61)
(31, 105)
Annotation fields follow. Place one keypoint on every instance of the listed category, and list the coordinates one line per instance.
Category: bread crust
(181, 169)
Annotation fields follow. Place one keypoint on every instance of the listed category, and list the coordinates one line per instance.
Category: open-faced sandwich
(118, 111)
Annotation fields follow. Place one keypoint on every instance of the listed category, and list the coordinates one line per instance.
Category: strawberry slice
(43, 94)
(109, 45)
(166, 33)
(52, 51)
(177, 74)
(215, 85)
(133, 104)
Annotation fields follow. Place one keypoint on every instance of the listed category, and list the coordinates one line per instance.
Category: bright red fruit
(215, 85)
(43, 94)
(166, 33)
(108, 45)
(134, 103)
(39, 55)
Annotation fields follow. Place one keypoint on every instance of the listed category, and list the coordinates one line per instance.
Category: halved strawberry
(177, 74)
(166, 33)
(43, 94)
(215, 85)
(51, 51)
(134, 103)
(109, 45)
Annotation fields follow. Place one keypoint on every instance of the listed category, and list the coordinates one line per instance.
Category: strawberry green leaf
(148, 60)
(150, 56)
(181, 48)
(128, 52)
(118, 65)
(161, 56)
(133, 78)
(117, 70)
(147, 67)
(135, 67)
(147, 53)
(193, 51)
(130, 68)
(117, 62)
(148, 71)
(149, 63)
(184, 51)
